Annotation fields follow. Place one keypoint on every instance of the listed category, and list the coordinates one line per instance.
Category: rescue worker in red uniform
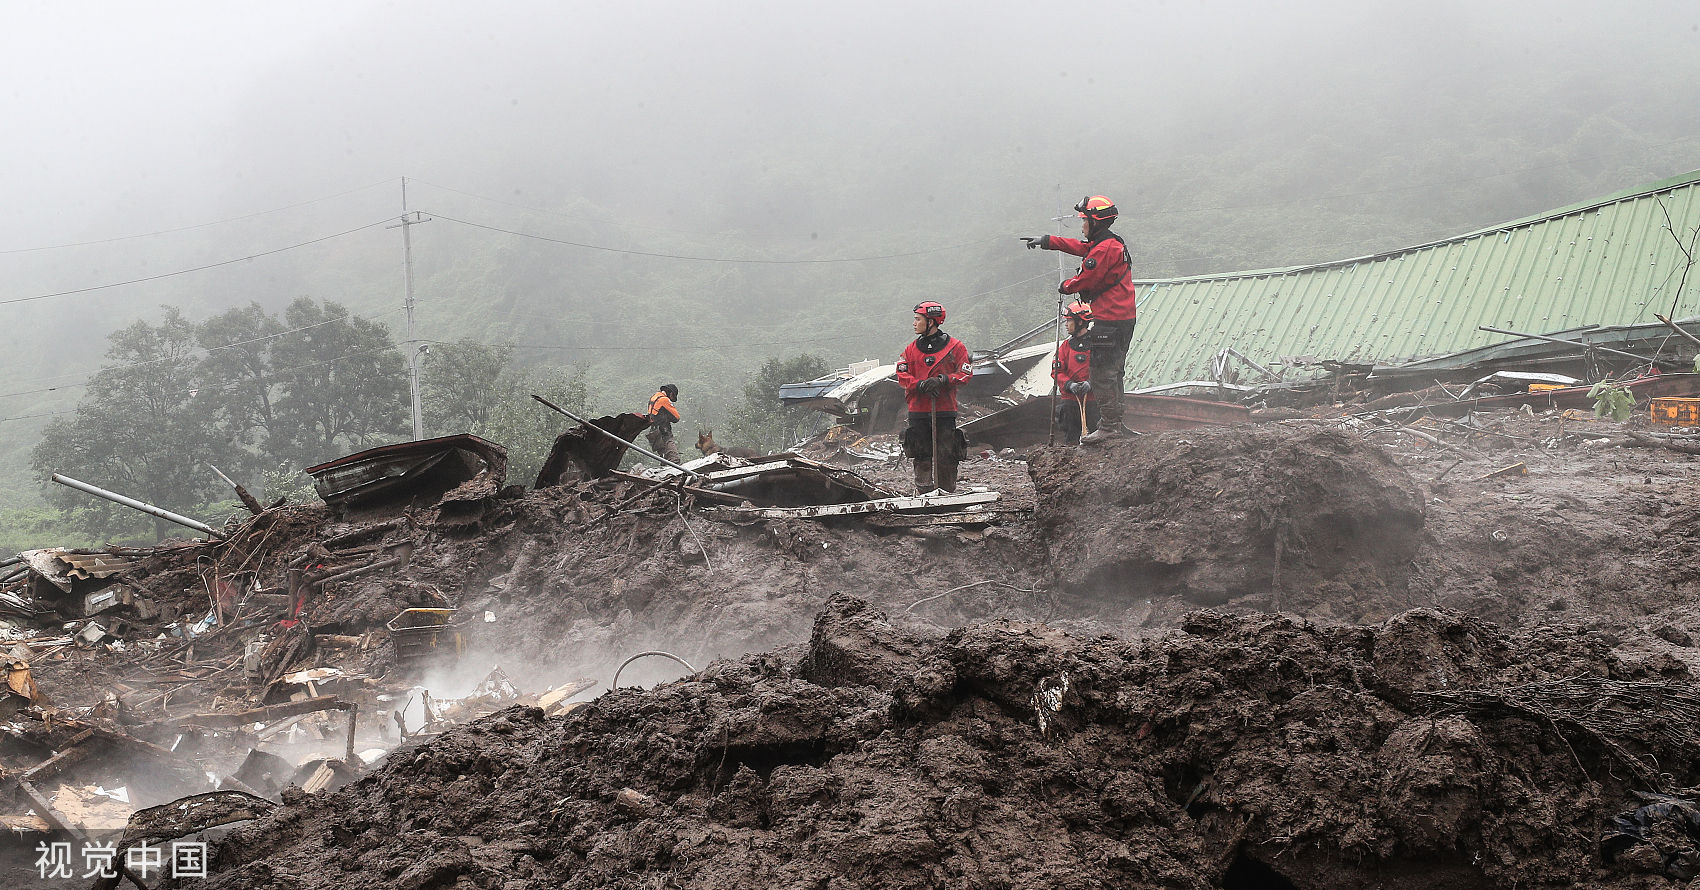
(931, 370)
(662, 415)
(1072, 370)
(1105, 282)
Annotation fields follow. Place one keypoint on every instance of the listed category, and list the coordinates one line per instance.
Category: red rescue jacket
(1106, 276)
(1072, 364)
(939, 355)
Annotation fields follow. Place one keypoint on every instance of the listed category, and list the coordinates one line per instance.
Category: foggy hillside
(745, 181)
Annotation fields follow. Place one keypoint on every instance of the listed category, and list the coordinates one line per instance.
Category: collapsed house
(1573, 293)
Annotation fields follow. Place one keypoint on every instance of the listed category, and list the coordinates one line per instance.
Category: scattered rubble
(297, 650)
(1233, 752)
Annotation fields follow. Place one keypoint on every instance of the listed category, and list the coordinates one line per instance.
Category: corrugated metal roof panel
(1610, 261)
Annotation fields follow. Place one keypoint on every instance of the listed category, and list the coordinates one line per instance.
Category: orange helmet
(1096, 208)
(930, 309)
(1078, 310)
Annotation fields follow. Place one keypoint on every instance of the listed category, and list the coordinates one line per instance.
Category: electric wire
(1405, 188)
(206, 349)
(230, 262)
(710, 259)
(223, 386)
(216, 222)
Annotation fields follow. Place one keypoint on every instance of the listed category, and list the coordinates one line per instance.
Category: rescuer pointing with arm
(1105, 283)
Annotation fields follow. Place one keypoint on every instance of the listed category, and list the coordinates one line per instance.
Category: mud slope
(1293, 514)
(1220, 755)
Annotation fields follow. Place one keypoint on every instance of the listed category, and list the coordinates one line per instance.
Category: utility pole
(408, 221)
(1062, 276)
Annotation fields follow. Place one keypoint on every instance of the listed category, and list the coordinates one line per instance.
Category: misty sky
(145, 139)
(781, 129)
(128, 118)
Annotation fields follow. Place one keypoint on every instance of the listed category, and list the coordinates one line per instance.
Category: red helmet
(1097, 208)
(930, 309)
(1078, 310)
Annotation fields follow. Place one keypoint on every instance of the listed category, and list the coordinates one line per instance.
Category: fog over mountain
(1234, 135)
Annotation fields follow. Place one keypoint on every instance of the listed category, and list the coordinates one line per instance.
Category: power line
(709, 259)
(154, 361)
(611, 222)
(255, 256)
(222, 386)
(666, 347)
(1405, 188)
(216, 222)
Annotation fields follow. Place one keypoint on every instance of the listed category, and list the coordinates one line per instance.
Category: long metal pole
(1056, 345)
(1639, 358)
(407, 289)
(134, 504)
(632, 445)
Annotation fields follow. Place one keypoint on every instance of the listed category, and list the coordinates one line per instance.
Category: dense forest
(723, 213)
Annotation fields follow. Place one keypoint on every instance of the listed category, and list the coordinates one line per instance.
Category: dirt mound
(1288, 516)
(1238, 752)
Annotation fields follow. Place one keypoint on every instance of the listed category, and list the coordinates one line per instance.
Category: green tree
(759, 421)
(143, 429)
(459, 382)
(240, 371)
(342, 386)
(515, 420)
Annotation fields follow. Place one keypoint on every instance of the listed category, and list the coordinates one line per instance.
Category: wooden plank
(72, 753)
(704, 493)
(883, 505)
(267, 713)
(913, 520)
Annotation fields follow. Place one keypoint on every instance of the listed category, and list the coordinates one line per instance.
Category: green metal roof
(1605, 262)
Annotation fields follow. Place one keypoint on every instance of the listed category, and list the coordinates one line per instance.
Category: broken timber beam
(357, 571)
(690, 474)
(1580, 343)
(883, 505)
(704, 493)
(242, 494)
(267, 713)
(901, 520)
(1678, 328)
(44, 809)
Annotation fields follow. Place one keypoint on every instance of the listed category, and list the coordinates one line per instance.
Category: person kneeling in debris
(930, 371)
(662, 416)
(1105, 282)
(1072, 370)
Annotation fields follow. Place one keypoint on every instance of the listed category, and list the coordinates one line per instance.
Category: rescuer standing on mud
(930, 371)
(1105, 282)
(1072, 370)
(662, 416)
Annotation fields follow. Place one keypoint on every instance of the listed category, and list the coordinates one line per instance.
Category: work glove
(930, 385)
(1063, 288)
(1037, 242)
(1079, 388)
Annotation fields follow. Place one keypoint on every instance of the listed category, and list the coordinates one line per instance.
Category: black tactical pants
(918, 441)
(1068, 420)
(1109, 341)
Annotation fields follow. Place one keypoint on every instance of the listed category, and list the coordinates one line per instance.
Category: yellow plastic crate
(1676, 412)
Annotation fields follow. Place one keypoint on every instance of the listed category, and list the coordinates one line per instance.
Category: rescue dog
(707, 445)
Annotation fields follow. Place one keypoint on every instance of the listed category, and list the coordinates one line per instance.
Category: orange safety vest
(659, 403)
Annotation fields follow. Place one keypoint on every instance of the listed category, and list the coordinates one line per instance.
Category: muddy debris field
(1311, 652)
